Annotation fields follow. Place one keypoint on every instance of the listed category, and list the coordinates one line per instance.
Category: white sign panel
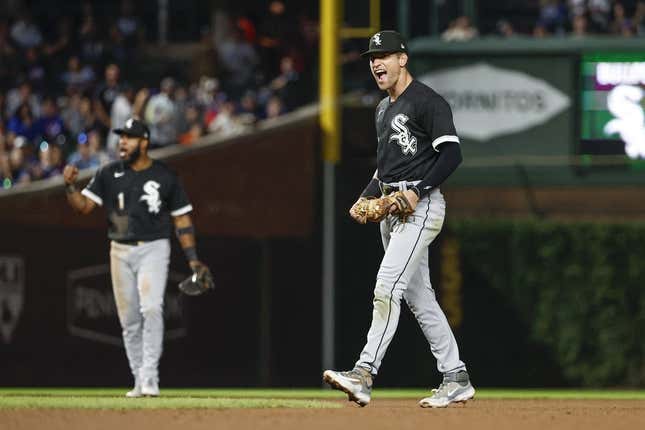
(489, 101)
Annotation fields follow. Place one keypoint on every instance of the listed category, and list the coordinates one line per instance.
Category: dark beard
(134, 156)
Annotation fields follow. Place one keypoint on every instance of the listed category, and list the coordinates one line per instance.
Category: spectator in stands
(620, 25)
(286, 84)
(193, 128)
(225, 123)
(577, 7)
(505, 28)
(248, 109)
(161, 115)
(239, 59)
(579, 26)
(77, 77)
(121, 111)
(50, 124)
(128, 26)
(460, 30)
(49, 162)
(79, 116)
(95, 144)
(24, 32)
(553, 16)
(83, 157)
(19, 95)
(23, 123)
(71, 114)
(274, 108)
(18, 165)
(272, 36)
(105, 94)
(639, 18)
(598, 12)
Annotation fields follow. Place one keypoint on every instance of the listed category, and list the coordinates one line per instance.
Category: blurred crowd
(65, 82)
(575, 18)
(64, 85)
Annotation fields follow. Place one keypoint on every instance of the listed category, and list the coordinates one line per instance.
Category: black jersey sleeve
(97, 187)
(439, 124)
(178, 199)
(447, 161)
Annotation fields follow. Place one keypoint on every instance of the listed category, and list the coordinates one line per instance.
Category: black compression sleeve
(373, 189)
(448, 160)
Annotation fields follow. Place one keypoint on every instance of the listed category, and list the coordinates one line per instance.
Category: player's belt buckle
(388, 189)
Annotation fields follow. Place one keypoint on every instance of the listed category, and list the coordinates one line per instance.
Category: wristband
(191, 253)
(185, 230)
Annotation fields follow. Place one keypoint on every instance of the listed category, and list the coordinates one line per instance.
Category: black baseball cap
(135, 128)
(385, 42)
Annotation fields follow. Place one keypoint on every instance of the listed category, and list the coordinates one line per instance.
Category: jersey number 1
(121, 200)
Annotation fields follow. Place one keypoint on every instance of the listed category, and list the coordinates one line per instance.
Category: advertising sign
(612, 105)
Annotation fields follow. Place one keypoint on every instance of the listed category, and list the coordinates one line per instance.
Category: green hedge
(579, 287)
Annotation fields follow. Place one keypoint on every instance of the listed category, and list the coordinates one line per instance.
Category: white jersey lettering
(403, 136)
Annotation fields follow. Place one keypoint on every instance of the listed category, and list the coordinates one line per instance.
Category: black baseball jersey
(410, 131)
(138, 203)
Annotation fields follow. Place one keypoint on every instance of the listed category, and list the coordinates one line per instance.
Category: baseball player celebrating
(418, 149)
(140, 195)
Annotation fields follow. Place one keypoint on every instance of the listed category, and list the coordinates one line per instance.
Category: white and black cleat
(356, 383)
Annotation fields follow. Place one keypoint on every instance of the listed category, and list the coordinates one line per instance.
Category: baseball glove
(374, 210)
(198, 283)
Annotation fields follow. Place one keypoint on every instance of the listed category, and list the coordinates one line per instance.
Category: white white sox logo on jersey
(402, 136)
(151, 196)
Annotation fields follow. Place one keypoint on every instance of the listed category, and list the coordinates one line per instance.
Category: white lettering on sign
(489, 101)
(620, 73)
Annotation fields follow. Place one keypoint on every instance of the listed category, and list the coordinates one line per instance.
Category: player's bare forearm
(186, 235)
(79, 202)
(76, 200)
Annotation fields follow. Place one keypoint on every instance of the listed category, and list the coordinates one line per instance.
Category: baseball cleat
(356, 383)
(456, 387)
(135, 392)
(150, 388)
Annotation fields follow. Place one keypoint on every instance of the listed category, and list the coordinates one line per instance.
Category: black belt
(132, 242)
(388, 189)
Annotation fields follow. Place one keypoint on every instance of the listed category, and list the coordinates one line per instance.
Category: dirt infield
(381, 414)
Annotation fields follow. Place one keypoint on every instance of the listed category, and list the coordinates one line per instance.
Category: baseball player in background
(417, 150)
(140, 196)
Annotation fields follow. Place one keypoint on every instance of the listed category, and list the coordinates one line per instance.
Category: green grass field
(112, 398)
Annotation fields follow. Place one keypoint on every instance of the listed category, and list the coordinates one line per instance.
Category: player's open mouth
(380, 75)
(123, 153)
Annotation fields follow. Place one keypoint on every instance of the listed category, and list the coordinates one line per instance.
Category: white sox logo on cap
(377, 39)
